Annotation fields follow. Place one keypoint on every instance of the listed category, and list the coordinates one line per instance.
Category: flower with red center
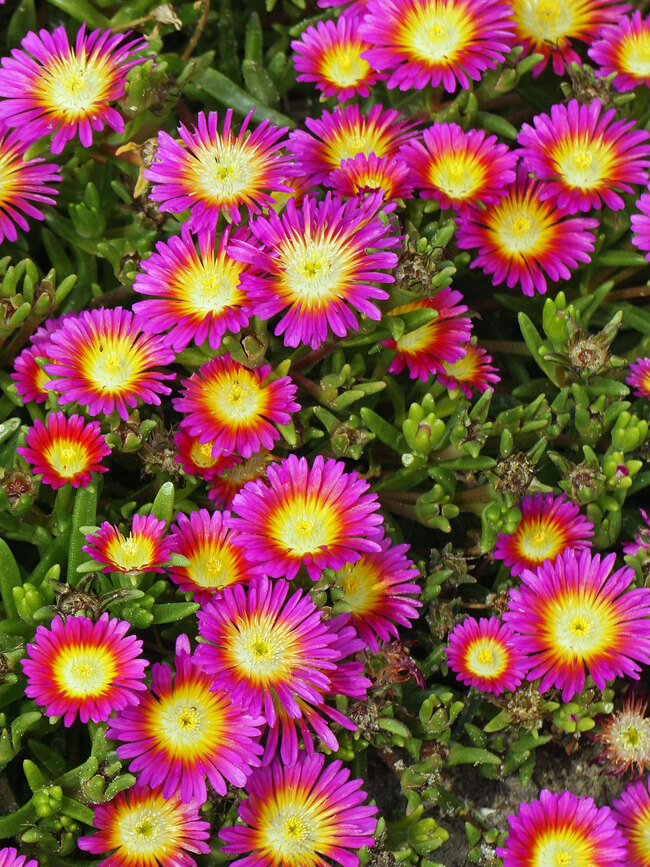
(229, 481)
(638, 376)
(380, 592)
(25, 185)
(143, 828)
(424, 350)
(49, 86)
(65, 450)
(29, 376)
(632, 814)
(235, 408)
(185, 729)
(563, 829)
(547, 27)
(211, 172)
(9, 857)
(342, 134)
(484, 653)
(522, 239)
(641, 225)
(305, 815)
(642, 536)
(103, 361)
(196, 457)
(80, 667)
(215, 562)
(316, 264)
(473, 370)
(572, 613)
(625, 738)
(584, 155)
(371, 174)
(330, 55)
(433, 42)
(145, 550)
(197, 292)
(318, 516)
(549, 525)
(458, 168)
(623, 50)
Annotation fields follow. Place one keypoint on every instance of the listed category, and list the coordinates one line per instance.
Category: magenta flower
(196, 458)
(320, 264)
(49, 86)
(473, 371)
(235, 408)
(575, 613)
(318, 516)
(623, 50)
(459, 168)
(210, 172)
(103, 361)
(426, 43)
(80, 667)
(9, 857)
(641, 225)
(301, 815)
(197, 294)
(584, 155)
(563, 829)
(632, 814)
(371, 174)
(29, 376)
(147, 548)
(484, 653)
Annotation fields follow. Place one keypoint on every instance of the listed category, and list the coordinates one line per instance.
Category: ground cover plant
(325, 346)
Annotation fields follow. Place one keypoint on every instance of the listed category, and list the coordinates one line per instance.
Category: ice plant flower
(317, 267)
(185, 729)
(301, 816)
(104, 362)
(370, 174)
(563, 829)
(584, 155)
(49, 86)
(575, 613)
(458, 168)
(196, 458)
(547, 28)
(146, 549)
(314, 516)
(380, 592)
(77, 667)
(25, 185)
(473, 371)
(625, 738)
(632, 814)
(65, 450)
(211, 172)
(342, 134)
(428, 42)
(9, 857)
(641, 538)
(638, 376)
(425, 350)
(623, 50)
(29, 376)
(641, 225)
(331, 56)
(215, 562)
(197, 294)
(143, 828)
(235, 408)
(523, 240)
(549, 525)
(484, 653)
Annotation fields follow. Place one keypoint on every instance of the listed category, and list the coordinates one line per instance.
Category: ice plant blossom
(185, 729)
(65, 450)
(370, 174)
(585, 156)
(563, 829)
(575, 613)
(425, 43)
(47, 85)
(80, 668)
(211, 172)
(143, 828)
(315, 516)
(632, 814)
(301, 816)
(9, 857)
(484, 653)
(623, 50)
(316, 266)
(472, 371)
(29, 377)
(145, 550)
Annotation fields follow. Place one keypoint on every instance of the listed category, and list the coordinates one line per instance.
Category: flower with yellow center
(624, 738)
(623, 50)
(484, 654)
(632, 813)
(146, 549)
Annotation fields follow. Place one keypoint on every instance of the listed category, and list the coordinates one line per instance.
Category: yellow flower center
(361, 584)
(563, 847)
(580, 627)
(67, 458)
(73, 86)
(262, 650)
(436, 32)
(111, 363)
(201, 454)
(189, 721)
(145, 832)
(315, 271)
(235, 397)
(214, 568)
(84, 670)
(539, 540)
(550, 20)
(344, 66)
(211, 286)
(129, 555)
(291, 833)
(634, 54)
(303, 526)
(224, 172)
(582, 164)
(486, 658)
